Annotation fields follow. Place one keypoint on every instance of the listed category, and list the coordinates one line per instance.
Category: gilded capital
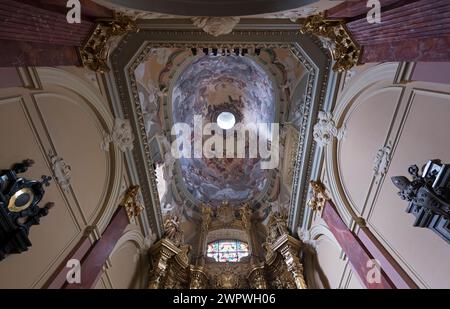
(94, 54)
(336, 37)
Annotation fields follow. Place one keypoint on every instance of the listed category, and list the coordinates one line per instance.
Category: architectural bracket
(94, 54)
(319, 196)
(336, 37)
(131, 203)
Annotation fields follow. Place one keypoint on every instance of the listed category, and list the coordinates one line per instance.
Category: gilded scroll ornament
(335, 36)
(131, 203)
(319, 196)
(94, 54)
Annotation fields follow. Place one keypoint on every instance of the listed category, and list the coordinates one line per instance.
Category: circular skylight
(226, 120)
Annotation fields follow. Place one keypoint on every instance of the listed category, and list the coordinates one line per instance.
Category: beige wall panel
(125, 271)
(57, 230)
(367, 127)
(76, 135)
(354, 282)
(425, 136)
(330, 262)
(100, 284)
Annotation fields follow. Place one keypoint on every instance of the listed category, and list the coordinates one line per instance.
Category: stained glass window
(227, 250)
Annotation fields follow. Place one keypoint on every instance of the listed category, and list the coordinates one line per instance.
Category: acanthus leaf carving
(61, 171)
(121, 135)
(382, 161)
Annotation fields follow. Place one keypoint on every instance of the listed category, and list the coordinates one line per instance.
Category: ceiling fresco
(173, 86)
(210, 85)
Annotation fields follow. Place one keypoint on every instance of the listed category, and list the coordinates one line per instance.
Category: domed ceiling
(207, 87)
(173, 84)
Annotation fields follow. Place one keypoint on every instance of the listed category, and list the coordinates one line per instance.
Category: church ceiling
(251, 88)
(160, 81)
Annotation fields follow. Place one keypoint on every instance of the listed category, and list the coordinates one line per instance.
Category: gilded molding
(198, 278)
(257, 278)
(280, 243)
(336, 37)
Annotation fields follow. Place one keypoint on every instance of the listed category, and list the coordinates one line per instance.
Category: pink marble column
(19, 53)
(358, 8)
(433, 72)
(362, 247)
(92, 256)
(37, 32)
(58, 279)
(393, 270)
(417, 30)
(93, 262)
(356, 252)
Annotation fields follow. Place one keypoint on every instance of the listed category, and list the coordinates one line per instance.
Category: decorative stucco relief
(326, 129)
(382, 161)
(216, 25)
(121, 136)
(61, 171)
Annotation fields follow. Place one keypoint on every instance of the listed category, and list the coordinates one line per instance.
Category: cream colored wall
(127, 266)
(326, 265)
(66, 114)
(410, 122)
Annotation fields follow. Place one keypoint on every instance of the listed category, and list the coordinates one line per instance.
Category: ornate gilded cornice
(94, 54)
(336, 37)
